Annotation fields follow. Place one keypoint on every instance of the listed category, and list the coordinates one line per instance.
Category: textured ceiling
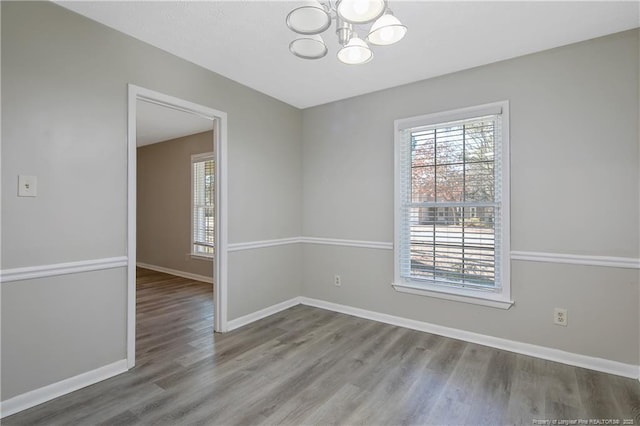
(247, 41)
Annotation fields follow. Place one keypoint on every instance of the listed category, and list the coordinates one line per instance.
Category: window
(451, 205)
(202, 207)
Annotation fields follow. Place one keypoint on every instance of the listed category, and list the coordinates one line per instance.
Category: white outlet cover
(560, 317)
(27, 186)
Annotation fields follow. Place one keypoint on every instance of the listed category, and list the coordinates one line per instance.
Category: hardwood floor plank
(562, 397)
(527, 397)
(394, 382)
(626, 394)
(286, 378)
(490, 405)
(351, 364)
(454, 402)
(126, 418)
(337, 409)
(309, 366)
(596, 394)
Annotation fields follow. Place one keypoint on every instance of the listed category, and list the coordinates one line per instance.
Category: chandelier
(315, 18)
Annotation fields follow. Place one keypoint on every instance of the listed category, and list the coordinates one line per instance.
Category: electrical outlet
(560, 317)
(337, 281)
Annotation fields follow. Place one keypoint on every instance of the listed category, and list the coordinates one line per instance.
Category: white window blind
(203, 207)
(450, 200)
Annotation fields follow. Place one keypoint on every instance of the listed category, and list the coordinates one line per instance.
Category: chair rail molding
(577, 259)
(55, 269)
(252, 245)
(519, 255)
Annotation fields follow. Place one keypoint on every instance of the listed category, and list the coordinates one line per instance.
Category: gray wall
(164, 204)
(574, 189)
(64, 119)
(61, 326)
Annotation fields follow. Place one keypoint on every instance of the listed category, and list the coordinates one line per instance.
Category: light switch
(27, 186)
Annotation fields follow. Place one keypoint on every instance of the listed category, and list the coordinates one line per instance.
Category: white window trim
(202, 256)
(500, 297)
(194, 159)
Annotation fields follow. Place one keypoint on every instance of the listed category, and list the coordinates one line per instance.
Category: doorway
(140, 102)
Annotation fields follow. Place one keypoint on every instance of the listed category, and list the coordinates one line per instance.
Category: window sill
(200, 256)
(491, 300)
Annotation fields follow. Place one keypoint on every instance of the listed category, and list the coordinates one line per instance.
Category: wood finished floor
(310, 366)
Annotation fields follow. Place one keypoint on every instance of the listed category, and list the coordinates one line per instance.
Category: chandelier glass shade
(360, 11)
(310, 19)
(386, 30)
(308, 47)
(355, 52)
(314, 17)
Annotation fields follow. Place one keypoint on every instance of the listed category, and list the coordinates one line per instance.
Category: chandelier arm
(344, 31)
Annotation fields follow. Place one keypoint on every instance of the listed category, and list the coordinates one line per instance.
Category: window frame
(499, 297)
(198, 158)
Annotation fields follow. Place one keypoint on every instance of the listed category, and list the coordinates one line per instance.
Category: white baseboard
(578, 360)
(543, 352)
(175, 272)
(262, 313)
(63, 387)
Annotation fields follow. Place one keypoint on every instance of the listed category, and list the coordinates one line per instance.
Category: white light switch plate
(27, 186)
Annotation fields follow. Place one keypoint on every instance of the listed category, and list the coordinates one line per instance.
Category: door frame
(219, 119)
